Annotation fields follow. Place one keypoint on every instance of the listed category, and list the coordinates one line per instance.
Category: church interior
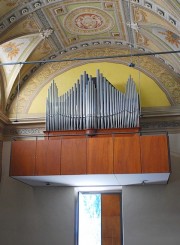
(45, 48)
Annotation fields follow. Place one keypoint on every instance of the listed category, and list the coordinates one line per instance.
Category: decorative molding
(46, 26)
(153, 120)
(169, 126)
(39, 9)
(21, 130)
(159, 73)
(34, 5)
(36, 130)
(24, 131)
(45, 33)
(157, 9)
(88, 21)
(162, 111)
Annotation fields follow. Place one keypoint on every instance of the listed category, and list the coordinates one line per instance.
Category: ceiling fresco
(40, 30)
(13, 51)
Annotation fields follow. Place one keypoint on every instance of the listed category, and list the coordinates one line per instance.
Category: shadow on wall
(1, 145)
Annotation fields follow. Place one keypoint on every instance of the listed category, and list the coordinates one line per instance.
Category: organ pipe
(92, 103)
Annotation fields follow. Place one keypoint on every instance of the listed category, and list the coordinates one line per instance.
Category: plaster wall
(151, 213)
(45, 215)
(34, 216)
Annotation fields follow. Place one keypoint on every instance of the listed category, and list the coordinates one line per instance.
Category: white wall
(34, 216)
(45, 216)
(151, 214)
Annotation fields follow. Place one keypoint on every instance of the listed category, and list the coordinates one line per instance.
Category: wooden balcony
(92, 158)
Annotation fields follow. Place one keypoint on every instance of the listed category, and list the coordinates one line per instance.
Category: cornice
(152, 120)
(162, 111)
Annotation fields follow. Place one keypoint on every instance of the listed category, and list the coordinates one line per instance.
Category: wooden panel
(100, 155)
(127, 154)
(23, 158)
(111, 228)
(154, 154)
(111, 219)
(48, 157)
(53, 135)
(73, 155)
(109, 241)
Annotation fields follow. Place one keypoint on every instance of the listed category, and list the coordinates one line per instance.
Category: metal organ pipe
(92, 103)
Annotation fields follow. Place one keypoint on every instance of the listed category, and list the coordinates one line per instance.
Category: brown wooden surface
(110, 131)
(127, 154)
(52, 135)
(111, 219)
(100, 155)
(154, 154)
(23, 158)
(73, 155)
(48, 157)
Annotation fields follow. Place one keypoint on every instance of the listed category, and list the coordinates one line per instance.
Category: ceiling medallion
(88, 21)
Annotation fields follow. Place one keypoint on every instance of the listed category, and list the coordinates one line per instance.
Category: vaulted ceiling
(79, 32)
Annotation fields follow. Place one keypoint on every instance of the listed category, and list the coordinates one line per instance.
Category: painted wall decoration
(95, 28)
(87, 21)
(14, 51)
(11, 49)
(7, 5)
(169, 37)
(11, 3)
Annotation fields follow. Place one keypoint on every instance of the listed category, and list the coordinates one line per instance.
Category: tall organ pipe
(92, 103)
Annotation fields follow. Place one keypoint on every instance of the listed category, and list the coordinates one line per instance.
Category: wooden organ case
(92, 138)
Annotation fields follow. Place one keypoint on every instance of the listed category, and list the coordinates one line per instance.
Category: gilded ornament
(88, 21)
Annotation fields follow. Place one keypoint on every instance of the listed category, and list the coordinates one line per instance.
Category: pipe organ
(92, 103)
(92, 139)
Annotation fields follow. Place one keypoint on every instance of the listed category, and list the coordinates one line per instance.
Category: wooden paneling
(54, 135)
(127, 154)
(48, 157)
(111, 219)
(23, 158)
(111, 204)
(100, 155)
(73, 155)
(154, 154)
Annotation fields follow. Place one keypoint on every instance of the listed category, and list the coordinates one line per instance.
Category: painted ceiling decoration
(39, 30)
(16, 50)
(88, 21)
(169, 37)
